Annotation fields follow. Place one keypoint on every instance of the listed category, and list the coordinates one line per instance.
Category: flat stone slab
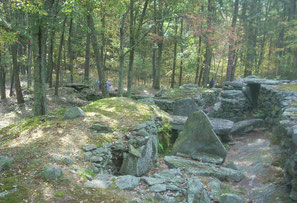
(127, 182)
(246, 126)
(221, 126)
(198, 137)
(204, 169)
(184, 107)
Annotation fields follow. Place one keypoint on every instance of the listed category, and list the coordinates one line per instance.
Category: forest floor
(259, 159)
(254, 154)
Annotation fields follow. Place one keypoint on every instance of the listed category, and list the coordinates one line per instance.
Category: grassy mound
(35, 142)
(178, 93)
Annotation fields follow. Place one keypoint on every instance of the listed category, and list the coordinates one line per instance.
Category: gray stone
(134, 151)
(204, 197)
(167, 199)
(96, 159)
(184, 107)
(215, 189)
(88, 148)
(149, 100)
(101, 128)
(173, 175)
(7, 192)
(158, 188)
(137, 166)
(96, 184)
(165, 104)
(221, 126)
(199, 137)
(153, 181)
(230, 198)
(195, 187)
(5, 162)
(73, 112)
(178, 122)
(127, 182)
(160, 93)
(208, 158)
(173, 187)
(294, 136)
(52, 172)
(246, 126)
(88, 156)
(204, 169)
(67, 160)
(232, 94)
(142, 133)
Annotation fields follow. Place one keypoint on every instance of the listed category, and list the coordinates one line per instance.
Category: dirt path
(258, 159)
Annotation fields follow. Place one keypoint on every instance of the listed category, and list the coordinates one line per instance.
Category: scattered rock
(127, 182)
(215, 189)
(7, 192)
(88, 148)
(199, 137)
(100, 181)
(246, 126)
(221, 126)
(204, 197)
(158, 188)
(5, 163)
(52, 172)
(230, 198)
(101, 128)
(195, 187)
(152, 181)
(184, 107)
(73, 112)
(67, 161)
(204, 169)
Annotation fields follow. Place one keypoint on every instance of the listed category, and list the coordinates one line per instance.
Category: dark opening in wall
(253, 90)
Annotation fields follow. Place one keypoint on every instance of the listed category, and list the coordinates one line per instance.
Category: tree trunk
(59, 58)
(2, 81)
(174, 56)
(182, 53)
(97, 56)
(122, 55)
(18, 88)
(131, 44)
(11, 81)
(40, 73)
(198, 60)
(50, 59)
(70, 53)
(87, 59)
(207, 62)
(29, 66)
(231, 51)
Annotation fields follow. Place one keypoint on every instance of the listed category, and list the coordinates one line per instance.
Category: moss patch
(176, 94)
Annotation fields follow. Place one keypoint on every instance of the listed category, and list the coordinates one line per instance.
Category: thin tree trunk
(40, 73)
(99, 64)
(11, 81)
(87, 59)
(29, 62)
(131, 44)
(207, 62)
(70, 53)
(230, 65)
(182, 53)
(18, 89)
(2, 80)
(174, 56)
(59, 59)
(50, 59)
(198, 60)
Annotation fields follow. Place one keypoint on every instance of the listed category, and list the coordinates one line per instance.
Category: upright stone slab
(198, 137)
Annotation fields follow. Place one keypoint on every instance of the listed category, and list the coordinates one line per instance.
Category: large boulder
(231, 198)
(198, 138)
(73, 112)
(127, 182)
(246, 126)
(52, 172)
(184, 107)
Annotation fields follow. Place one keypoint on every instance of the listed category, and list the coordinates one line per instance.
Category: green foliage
(259, 114)
(165, 138)
(290, 87)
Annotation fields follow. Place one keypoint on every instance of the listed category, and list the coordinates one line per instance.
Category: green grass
(290, 87)
(178, 93)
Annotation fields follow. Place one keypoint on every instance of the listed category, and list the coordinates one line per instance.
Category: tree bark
(70, 53)
(29, 66)
(230, 66)
(87, 59)
(99, 64)
(59, 58)
(2, 81)
(174, 56)
(182, 52)
(208, 54)
(18, 89)
(198, 60)
(40, 73)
